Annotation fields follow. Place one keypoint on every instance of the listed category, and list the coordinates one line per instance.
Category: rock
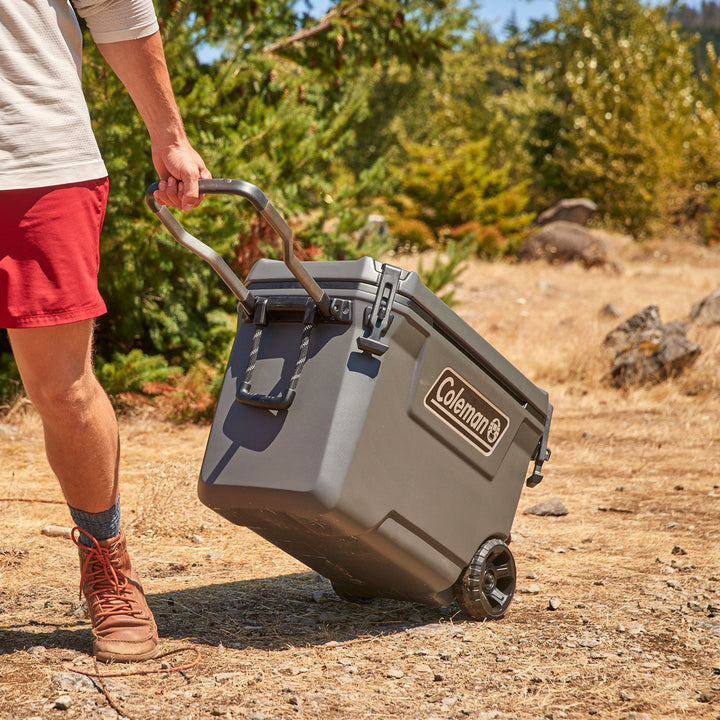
(707, 311)
(677, 550)
(532, 589)
(554, 603)
(56, 531)
(646, 350)
(553, 507)
(68, 681)
(574, 210)
(611, 310)
(562, 242)
(395, 673)
(63, 702)
(330, 618)
(196, 539)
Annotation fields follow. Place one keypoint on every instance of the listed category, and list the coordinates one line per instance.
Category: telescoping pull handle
(224, 186)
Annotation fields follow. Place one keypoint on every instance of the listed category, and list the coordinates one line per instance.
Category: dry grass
(635, 563)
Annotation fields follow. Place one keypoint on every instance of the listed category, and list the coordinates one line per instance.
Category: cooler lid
(413, 294)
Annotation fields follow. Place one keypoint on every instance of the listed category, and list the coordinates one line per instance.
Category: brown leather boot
(122, 625)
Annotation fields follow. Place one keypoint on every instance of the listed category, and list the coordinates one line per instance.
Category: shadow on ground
(274, 613)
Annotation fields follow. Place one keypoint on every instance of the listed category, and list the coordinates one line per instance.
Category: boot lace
(108, 589)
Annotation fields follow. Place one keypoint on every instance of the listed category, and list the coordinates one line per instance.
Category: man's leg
(81, 441)
(81, 435)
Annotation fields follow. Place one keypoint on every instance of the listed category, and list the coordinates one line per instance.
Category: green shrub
(711, 220)
(130, 372)
(486, 240)
(446, 270)
(412, 235)
(10, 383)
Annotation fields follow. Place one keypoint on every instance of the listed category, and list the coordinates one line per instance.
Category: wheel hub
(489, 580)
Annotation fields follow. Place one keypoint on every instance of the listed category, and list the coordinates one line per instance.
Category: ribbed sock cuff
(102, 526)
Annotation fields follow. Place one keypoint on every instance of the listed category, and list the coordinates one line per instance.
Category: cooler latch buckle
(378, 319)
(541, 454)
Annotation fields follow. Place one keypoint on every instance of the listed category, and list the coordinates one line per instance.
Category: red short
(49, 254)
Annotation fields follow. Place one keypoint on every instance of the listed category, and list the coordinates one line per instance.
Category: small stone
(56, 531)
(395, 673)
(196, 539)
(68, 681)
(330, 618)
(531, 589)
(705, 695)
(554, 603)
(489, 715)
(318, 596)
(63, 702)
(553, 507)
(611, 311)
(438, 677)
(677, 550)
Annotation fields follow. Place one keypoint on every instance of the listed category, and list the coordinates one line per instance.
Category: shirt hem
(61, 317)
(49, 177)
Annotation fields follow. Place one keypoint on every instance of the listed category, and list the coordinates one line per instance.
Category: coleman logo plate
(465, 410)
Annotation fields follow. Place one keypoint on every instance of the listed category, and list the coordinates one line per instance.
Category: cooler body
(394, 462)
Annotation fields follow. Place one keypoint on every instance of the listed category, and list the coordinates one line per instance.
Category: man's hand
(179, 168)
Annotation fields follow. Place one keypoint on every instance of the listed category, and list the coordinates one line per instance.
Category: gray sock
(101, 526)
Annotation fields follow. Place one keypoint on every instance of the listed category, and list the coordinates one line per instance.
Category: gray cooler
(367, 430)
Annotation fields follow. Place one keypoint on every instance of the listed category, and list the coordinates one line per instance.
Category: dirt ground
(633, 569)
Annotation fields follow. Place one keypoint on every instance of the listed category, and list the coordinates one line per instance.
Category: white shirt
(45, 133)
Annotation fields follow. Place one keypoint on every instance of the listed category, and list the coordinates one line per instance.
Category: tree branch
(323, 25)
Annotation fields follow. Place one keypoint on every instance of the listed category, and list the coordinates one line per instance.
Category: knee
(65, 395)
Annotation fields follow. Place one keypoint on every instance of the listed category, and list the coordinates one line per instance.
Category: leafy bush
(188, 397)
(132, 371)
(485, 240)
(10, 384)
(627, 110)
(412, 235)
(711, 220)
(445, 270)
(453, 186)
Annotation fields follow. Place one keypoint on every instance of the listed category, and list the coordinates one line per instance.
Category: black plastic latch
(378, 318)
(542, 454)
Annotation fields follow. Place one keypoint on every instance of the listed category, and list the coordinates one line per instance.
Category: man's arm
(140, 65)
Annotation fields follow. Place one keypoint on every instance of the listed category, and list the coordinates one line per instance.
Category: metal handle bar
(224, 186)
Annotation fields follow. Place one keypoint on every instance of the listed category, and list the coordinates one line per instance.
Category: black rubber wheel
(486, 587)
(348, 596)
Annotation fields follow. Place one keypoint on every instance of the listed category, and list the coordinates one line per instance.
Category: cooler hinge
(377, 319)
